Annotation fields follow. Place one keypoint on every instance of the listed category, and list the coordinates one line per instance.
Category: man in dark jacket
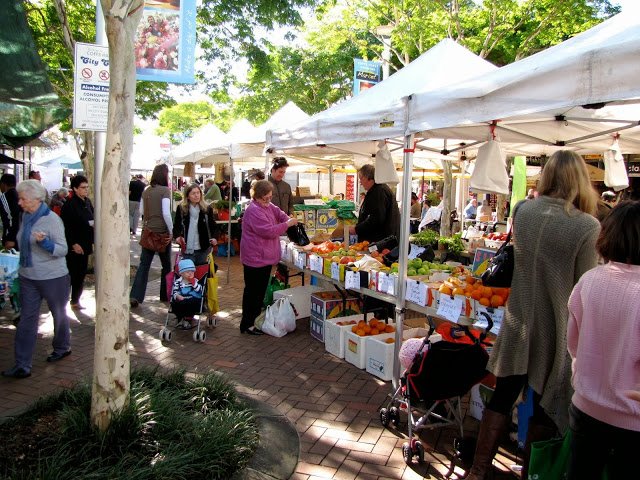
(282, 196)
(136, 187)
(379, 213)
(9, 210)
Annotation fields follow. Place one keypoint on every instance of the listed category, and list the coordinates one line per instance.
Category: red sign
(350, 186)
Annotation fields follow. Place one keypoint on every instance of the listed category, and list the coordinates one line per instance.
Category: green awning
(28, 105)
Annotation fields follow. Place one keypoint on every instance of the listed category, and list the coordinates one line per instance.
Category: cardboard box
(316, 328)
(330, 305)
(334, 334)
(355, 347)
(379, 353)
(309, 220)
(303, 191)
(299, 297)
(480, 395)
(327, 219)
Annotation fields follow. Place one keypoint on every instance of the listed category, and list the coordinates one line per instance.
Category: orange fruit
(361, 323)
(354, 329)
(497, 301)
(390, 340)
(484, 301)
(367, 329)
(374, 331)
(360, 332)
(458, 291)
(389, 329)
(470, 280)
(373, 323)
(444, 289)
(487, 292)
(476, 294)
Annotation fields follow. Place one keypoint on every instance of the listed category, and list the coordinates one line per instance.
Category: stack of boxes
(326, 305)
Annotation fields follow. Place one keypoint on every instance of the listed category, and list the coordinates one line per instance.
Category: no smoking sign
(86, 73)
(104, 75)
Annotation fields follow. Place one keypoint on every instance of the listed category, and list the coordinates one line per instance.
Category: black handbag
(499, 272)
(297, 235)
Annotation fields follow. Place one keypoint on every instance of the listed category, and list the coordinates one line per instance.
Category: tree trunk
(111, 379)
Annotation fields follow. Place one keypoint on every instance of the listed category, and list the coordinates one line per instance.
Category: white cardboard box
(299, 297)
(334, 334)
(379, 353)
(355, 348)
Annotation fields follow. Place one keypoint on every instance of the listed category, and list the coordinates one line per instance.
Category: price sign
(315, 263)
(414, 251)
(450, 308)
(352, 280)
(386, 283)
(335, 270)
(416, 292)
(300, 259)
(497, 315)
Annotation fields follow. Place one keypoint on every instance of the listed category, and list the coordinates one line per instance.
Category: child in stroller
(186, 295)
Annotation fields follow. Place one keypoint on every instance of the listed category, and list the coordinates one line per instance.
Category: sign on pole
(91, 87)
(165, 41)
(366, 73)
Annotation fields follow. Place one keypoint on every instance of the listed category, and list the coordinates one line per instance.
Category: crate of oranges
(355, 339)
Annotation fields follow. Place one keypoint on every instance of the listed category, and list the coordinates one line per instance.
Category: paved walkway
(332, 404)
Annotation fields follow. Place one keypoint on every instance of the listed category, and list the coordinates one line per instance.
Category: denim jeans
(139, 287)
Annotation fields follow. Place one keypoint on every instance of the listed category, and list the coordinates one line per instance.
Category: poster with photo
(165, 41)
(366, 74)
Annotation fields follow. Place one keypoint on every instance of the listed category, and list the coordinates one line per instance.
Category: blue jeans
(139, 287)
(56, 292)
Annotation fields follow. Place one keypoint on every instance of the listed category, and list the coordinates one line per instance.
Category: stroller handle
(483, 335)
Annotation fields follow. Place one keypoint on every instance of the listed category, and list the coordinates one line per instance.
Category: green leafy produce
(424, 238)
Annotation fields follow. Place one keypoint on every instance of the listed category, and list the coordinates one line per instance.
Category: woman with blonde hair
(194, 227)
(554, 242)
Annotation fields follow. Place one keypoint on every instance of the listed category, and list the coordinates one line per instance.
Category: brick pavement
(332, 404)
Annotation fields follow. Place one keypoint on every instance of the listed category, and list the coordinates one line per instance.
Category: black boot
(492, 428)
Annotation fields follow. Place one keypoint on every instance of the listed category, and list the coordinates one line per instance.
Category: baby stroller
(440, 374)
(203, 274)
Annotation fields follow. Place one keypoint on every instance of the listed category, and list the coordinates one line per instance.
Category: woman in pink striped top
(603, 339)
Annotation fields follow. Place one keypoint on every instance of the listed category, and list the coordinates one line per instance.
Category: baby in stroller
(186, 295)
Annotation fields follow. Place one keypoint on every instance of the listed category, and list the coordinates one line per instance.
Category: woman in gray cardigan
(43, 274)
(554, 241)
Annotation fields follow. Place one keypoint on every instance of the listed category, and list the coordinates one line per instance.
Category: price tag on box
(387, 283)
(335, 270)
(450, 308)
(496, 314)
(315, 263)
(300, 259)
(416, 292)
(352, 280)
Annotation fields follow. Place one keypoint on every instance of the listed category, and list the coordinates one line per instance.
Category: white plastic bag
(490, 171)
(279, 318)
(615, 171)
(385, 169)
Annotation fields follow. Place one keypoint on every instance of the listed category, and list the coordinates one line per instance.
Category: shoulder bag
(499, 272)
(152, 240)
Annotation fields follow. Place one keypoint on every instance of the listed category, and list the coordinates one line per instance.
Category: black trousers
(597, 444)
(77, 265)
(187, 307)
(256, 280)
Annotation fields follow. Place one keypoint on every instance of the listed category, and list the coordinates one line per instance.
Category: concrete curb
(279, 446)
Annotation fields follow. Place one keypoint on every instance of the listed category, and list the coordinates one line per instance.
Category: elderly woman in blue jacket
(43, 274)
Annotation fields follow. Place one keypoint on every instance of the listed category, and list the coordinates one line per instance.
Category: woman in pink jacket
(262, 225)
(603, 339)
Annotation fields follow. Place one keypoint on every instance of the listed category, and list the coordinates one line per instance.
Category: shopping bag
(273, 286)
(9, 263)
(550, 458)
(213, 305)
(279, 318)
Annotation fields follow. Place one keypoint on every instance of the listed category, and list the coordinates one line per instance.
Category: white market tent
(575, 95)
(379, 112)
(209, 144)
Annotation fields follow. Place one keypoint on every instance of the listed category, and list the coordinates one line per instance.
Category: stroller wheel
(384, 417)
(212, 320)
(168, 334)
(195, 336)
(161, 334)
(407, 454)
(202, 336)
(394, 415)
(419, 451)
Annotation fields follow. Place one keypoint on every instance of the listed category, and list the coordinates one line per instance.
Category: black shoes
(54, 357)
(252, 331)
(17, 372)
(133, 302)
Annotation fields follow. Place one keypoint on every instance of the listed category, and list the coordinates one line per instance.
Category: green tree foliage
(181, 121)
(318, 72)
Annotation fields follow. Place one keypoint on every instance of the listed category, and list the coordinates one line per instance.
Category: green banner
(519, 184)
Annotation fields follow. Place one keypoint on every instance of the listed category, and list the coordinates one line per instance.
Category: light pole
(384, 32)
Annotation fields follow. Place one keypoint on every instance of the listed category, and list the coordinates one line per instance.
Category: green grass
(174, 428)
